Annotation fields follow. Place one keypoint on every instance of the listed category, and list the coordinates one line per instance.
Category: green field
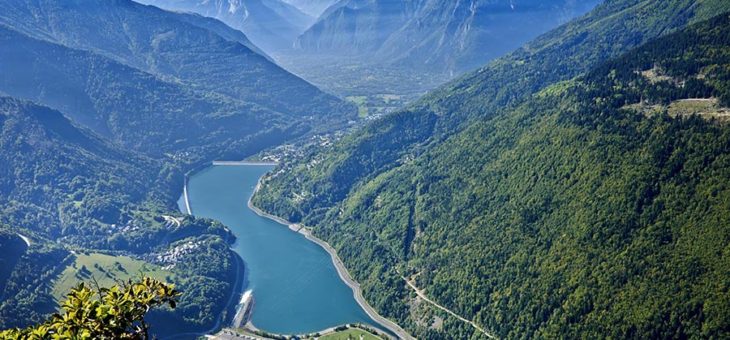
(390, 98)
(106, 269)
(361, 102)
(708, 108)
(352, 333)
(377, 104)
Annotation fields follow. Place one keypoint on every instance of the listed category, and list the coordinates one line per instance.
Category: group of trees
(61, 183)
(25, 296)
(564, 213)
(115, 312)
(97, 174)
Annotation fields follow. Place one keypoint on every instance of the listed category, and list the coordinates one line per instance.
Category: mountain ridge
(218, 80)
(270, 24)
(67, 189)
(411, 188)
(460, 35)
(313, 8)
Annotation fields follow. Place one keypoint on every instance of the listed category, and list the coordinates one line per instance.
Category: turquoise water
(295, 284)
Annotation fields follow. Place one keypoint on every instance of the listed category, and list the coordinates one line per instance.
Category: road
(425, 298)
(172, 220)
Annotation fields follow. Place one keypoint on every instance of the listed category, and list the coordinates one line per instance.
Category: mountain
(356, 27)
(64, 188)
(272, 25)
(313, 8)
(36, 144)
(105, 106)
(538, 204)
(222, 30)
(442, 36)
(117, 68)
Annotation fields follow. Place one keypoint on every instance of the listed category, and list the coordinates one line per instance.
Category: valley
(377, 48)
(475, 210)
(372, 169)
(296, 286)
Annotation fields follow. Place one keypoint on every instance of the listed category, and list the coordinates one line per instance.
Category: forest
(578, 187)
(69, 192)
(588, 209)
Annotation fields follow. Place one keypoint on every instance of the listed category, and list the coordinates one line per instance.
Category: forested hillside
(68, 191)
(126, 99)
(117, 68)
(610, 30)
(135, 108)
(540, 206)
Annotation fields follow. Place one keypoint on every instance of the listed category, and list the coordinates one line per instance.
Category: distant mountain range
(117, 68)
(104, 106)
(353, 46)
(313, 8)
(272, 25)
(442, 36)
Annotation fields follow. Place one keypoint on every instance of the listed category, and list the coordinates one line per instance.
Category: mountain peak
(270, 24)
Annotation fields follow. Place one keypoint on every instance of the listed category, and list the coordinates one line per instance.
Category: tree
(107, 313)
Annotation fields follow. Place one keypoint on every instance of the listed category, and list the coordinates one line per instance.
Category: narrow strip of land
(219, 320)
(233, 163)
(423, 296)
(186, 198)
(243, 310)
(339, 265)
(25, 239)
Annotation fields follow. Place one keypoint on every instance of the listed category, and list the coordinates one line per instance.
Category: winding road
(425, 298)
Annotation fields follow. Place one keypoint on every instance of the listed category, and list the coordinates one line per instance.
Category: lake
(294, 282)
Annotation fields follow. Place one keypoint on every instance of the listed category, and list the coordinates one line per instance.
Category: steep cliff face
(354, 27)
(117, 68)
(313, 8)
(272, 25)
(470, 33)
(448, 36)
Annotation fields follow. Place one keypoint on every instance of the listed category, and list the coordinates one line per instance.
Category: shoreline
(339, 266)
(185, 197)
(237, 286)
(220, 319)
(25, 239)
(250, 328)
(242, 163)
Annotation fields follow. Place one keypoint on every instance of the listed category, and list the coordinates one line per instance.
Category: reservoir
(295, 284)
